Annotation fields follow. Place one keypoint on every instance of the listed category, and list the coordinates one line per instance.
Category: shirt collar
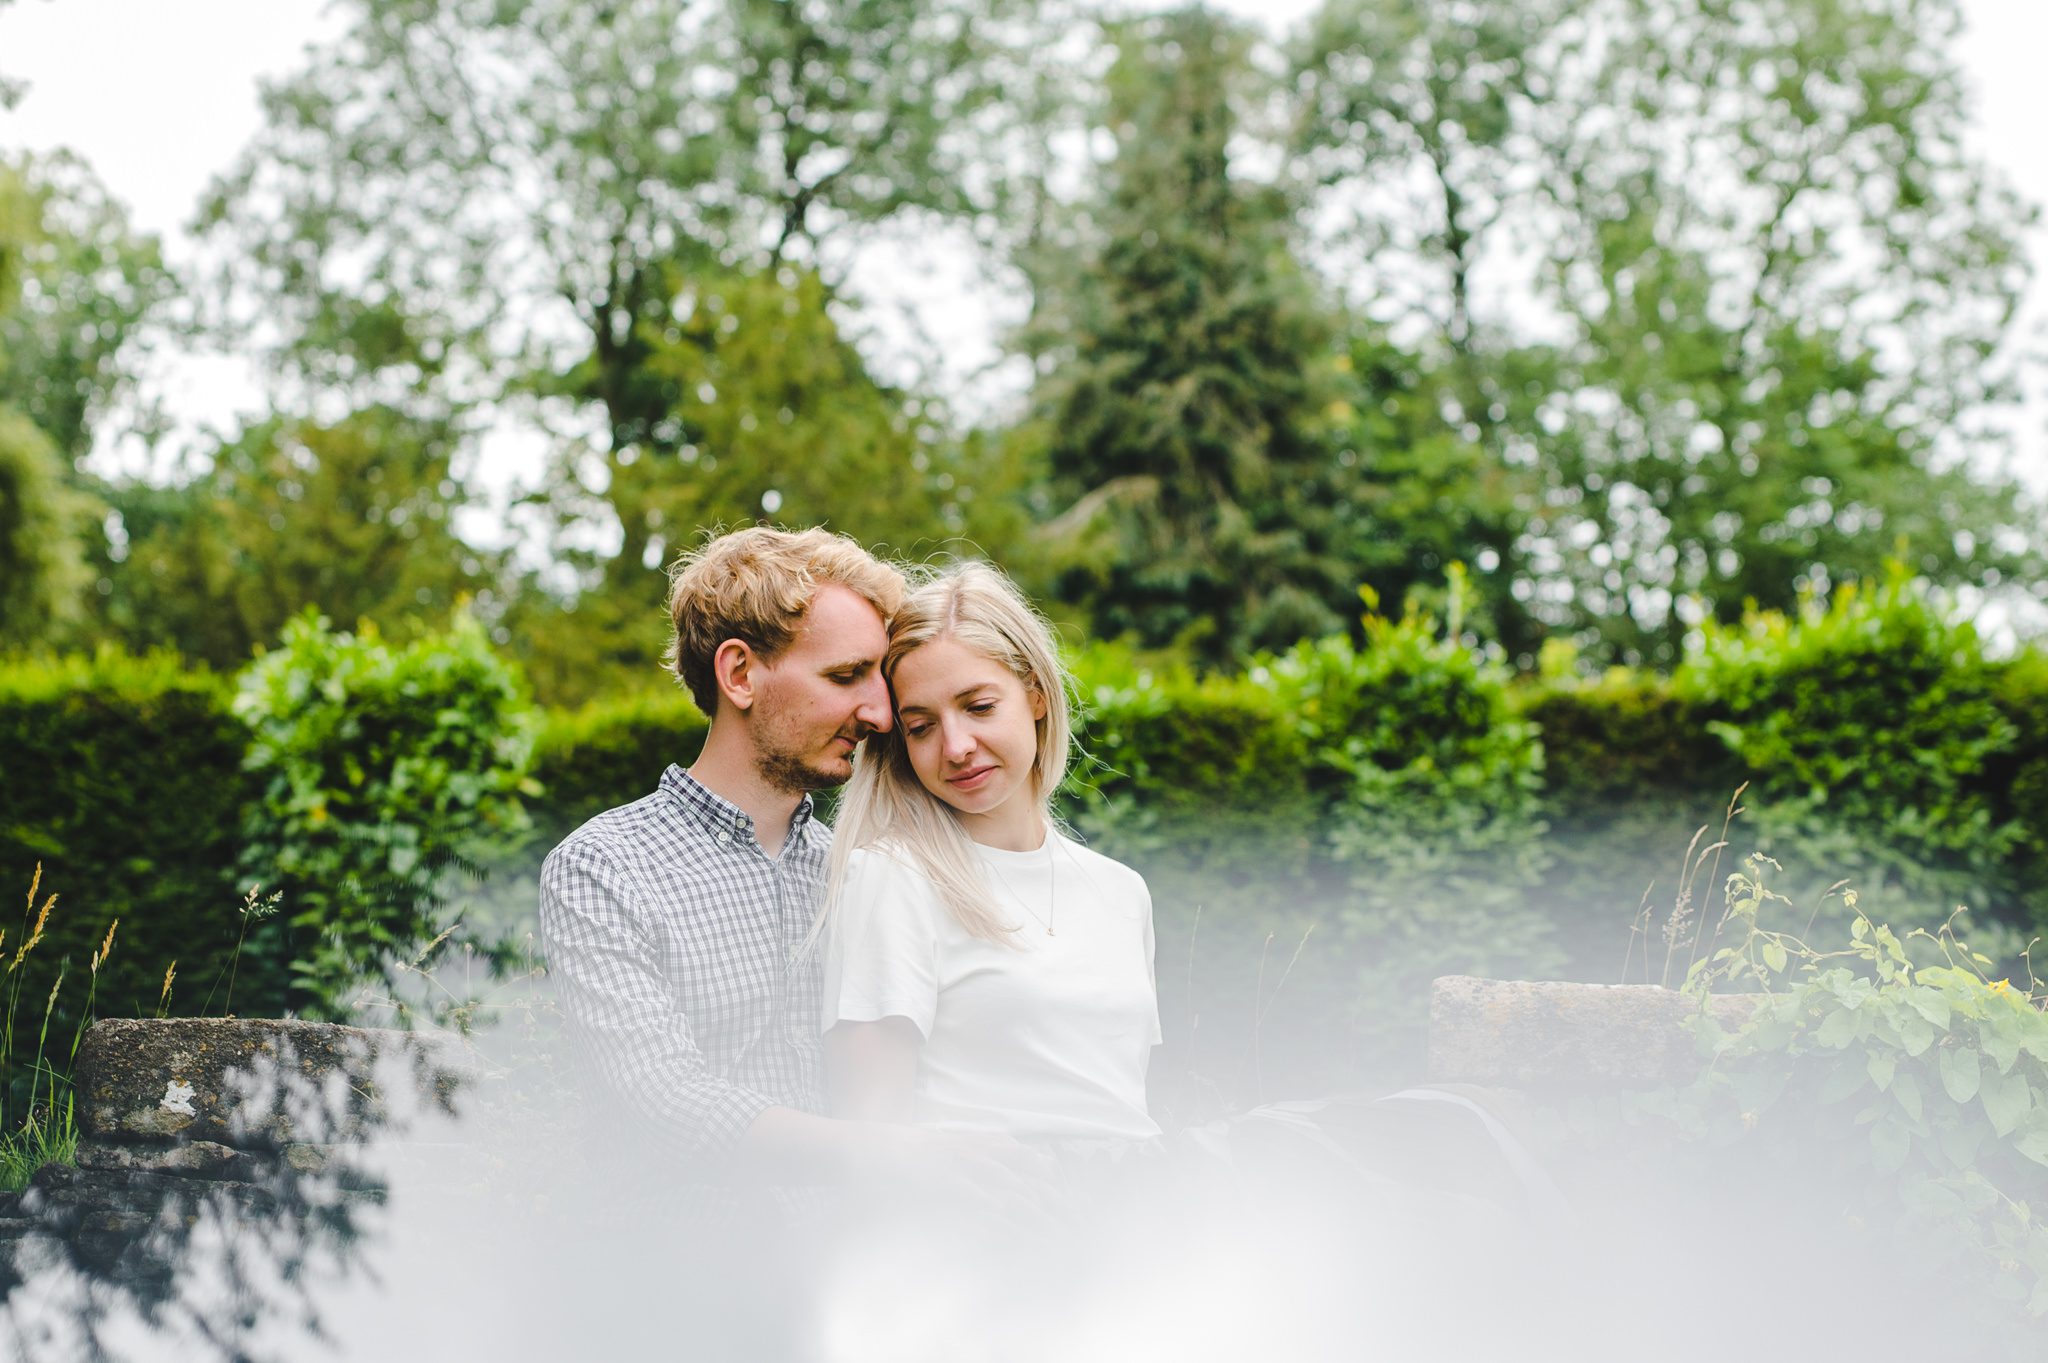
(718, 814)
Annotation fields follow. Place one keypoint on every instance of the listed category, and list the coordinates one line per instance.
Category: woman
(985, 973)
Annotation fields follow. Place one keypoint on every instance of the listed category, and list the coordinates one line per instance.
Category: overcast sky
(158, 95)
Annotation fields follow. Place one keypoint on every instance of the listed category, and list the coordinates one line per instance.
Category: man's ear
(732, 668)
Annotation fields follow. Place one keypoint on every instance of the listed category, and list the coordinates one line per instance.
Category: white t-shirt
(1043, 1036)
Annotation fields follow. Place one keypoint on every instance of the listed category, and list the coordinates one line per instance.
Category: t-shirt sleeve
(1151, 950)
(882, 952)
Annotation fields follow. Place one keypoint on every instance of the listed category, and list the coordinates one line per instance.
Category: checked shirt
(675, 942)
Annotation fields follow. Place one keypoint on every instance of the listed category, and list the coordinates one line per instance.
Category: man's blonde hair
(755, 585)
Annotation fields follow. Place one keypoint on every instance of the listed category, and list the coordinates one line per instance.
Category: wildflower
(2001, 986)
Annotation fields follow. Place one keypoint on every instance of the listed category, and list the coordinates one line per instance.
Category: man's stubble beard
(786, 770)
(791, 775)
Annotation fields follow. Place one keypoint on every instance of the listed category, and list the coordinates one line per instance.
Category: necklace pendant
(1049, 932)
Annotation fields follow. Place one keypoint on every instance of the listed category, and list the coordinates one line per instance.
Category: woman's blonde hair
(974, 605)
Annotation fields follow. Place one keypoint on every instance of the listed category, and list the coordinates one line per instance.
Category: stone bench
(251, 1117)
(1557, 1037)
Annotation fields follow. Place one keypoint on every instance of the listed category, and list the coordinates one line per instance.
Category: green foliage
(562, 241)
(607, 753)
(1189, 471)
(1422, 493)
(382, 770)
(353, 519)
(42, 532)
(76, 283)
(1867, 724)
(1917, 1087)
(1630, 772)
(2016, 779)
(1321, 836)
(1173, 757)
(123, 779)
(1434, 786)
(1695, 397)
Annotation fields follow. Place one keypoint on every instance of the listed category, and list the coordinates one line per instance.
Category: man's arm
(624, 1013)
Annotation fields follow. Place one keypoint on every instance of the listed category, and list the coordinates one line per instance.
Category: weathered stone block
(1547, 1035)
(255, 1083)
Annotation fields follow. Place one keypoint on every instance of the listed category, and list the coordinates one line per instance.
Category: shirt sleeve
(882, 955)
(623, 1010)
(1151, 952)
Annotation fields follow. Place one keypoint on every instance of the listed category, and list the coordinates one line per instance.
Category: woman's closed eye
(918, 728)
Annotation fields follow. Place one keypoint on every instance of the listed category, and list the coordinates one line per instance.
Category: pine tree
(1193, 484)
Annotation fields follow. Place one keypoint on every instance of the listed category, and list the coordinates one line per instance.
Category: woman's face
(970, 729)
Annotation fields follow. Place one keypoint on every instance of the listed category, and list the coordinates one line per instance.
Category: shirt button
(724, 836)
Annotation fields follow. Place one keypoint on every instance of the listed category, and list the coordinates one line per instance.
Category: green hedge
(123, 777)
(1403, 804)
(1631, 773)
(604, 754)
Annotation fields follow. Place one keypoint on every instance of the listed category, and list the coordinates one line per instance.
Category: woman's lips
(971, 779)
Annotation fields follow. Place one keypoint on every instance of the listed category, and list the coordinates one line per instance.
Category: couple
(946, 976)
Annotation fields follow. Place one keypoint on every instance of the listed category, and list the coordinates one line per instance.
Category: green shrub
(2016, 779)
(1433, 785)
(1891, 1072)
(382, 771)
(122, 776)
(607, 753)
(1630, 773)
(1199, 767)
(1200, 783)
(1868, 726)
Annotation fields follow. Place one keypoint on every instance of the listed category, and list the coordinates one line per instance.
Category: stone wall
(186, 1120)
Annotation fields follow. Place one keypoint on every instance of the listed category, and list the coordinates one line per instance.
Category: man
(675, 926)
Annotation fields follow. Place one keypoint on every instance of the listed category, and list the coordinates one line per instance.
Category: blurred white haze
(522, 1229)
(527, 1227)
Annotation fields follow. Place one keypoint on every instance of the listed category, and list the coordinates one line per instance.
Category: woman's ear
(1037, 702)
(732, 667)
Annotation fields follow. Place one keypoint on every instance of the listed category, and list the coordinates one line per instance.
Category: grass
(47, 1132)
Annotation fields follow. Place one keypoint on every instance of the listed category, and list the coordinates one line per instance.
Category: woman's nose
(957, 739)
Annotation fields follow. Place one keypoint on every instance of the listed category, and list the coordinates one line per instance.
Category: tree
(1768, 289)
(1182, 426)
(84, 283)
(42, 560)
(528, 179)
(352, 518)
(511, 205)
(775, 418)
(42, 519)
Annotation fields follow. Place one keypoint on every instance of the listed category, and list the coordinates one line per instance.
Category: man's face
(822, 695)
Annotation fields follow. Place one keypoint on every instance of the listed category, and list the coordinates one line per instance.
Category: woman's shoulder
(1109, 874)
(884, 870)
(886, 859)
